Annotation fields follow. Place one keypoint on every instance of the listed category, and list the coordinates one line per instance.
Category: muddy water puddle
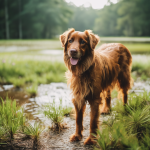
(33, 106)
(47, 93)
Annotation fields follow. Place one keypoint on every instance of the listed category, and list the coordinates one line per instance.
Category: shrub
(56, 113)
(11, 118)
(33, 131)
(128, 127)
(32, 90)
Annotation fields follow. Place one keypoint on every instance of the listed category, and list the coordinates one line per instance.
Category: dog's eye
(70, 41)
(82, 42)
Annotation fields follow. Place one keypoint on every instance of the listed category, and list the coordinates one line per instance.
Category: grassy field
(32, 44)
(23, 64)
(25, 72)
(28, 71)
(128, 126)
(134, 44)
(20, 66)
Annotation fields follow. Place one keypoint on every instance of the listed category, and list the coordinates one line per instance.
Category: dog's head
(78, 49)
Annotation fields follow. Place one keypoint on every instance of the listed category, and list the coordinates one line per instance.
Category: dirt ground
(55, 140)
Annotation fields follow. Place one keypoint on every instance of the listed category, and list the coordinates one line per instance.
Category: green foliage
(33, 131)
(121, 19)
(55, 113)
(66, 111)
(32, 90)
(49, 18)
(11, 118)
(128, 127)
(114, 94)
(26, 20)
(141, 69)
(138, 47)
(106, 22)
(29, 72)
(79, 19)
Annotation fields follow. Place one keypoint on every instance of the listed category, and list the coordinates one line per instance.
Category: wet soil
(52, 139)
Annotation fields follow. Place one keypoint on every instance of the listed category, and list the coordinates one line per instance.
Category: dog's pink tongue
(73, 61)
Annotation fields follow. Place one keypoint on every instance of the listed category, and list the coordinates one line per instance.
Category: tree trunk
(20, 23)
(6, 20)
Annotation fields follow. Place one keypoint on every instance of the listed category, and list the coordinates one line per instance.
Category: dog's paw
(89, 141)
(75, 137)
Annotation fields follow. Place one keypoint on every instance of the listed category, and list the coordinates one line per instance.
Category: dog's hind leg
(79, 124)
(94, 121)
(125, 82)
(124, 98)
(105, 109)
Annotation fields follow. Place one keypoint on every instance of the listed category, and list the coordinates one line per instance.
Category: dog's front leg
(94, 122)
(79, 123)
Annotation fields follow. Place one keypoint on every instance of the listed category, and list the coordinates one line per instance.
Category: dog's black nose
(73, 52)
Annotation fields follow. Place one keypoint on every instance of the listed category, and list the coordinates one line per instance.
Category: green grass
(134, 48)
(141, 69)
(138, 48)
(31, 44)
(11, 119)
(128, 127)
(21, 72)
(66, 111)
(56, 113)
(114, 94)
(137, 45)
(32, 90)
(24, 68)
(33, 131)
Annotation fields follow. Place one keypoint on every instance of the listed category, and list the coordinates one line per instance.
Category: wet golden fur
(95, 75)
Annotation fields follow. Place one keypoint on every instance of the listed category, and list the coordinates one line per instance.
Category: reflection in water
(46, 94)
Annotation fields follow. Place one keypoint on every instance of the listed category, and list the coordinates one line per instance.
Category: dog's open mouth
(74, 61)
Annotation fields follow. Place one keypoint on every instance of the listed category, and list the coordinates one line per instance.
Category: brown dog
(92, 72)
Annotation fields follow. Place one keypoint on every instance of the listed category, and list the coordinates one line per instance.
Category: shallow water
(13, 48)
(47, 93)
(52, 52)
(141, 58)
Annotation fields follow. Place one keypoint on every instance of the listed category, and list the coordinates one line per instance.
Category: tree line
(36, 19)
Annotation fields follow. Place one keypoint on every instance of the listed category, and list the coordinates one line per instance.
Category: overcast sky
(96, 4)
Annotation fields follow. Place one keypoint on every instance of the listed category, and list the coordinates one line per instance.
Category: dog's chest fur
(81, 86)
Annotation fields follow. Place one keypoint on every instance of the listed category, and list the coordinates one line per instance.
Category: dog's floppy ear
(93, 39)
(65, 35)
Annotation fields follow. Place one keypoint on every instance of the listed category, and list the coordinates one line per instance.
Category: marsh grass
(114, 94)
(33, 44)
(33, 131)
(138, 48)
(32, 90)
(141, 69)
(67, 111)
(128, 127)
(11, 119)
(56, 113)
(134, 44)
(20, 73)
